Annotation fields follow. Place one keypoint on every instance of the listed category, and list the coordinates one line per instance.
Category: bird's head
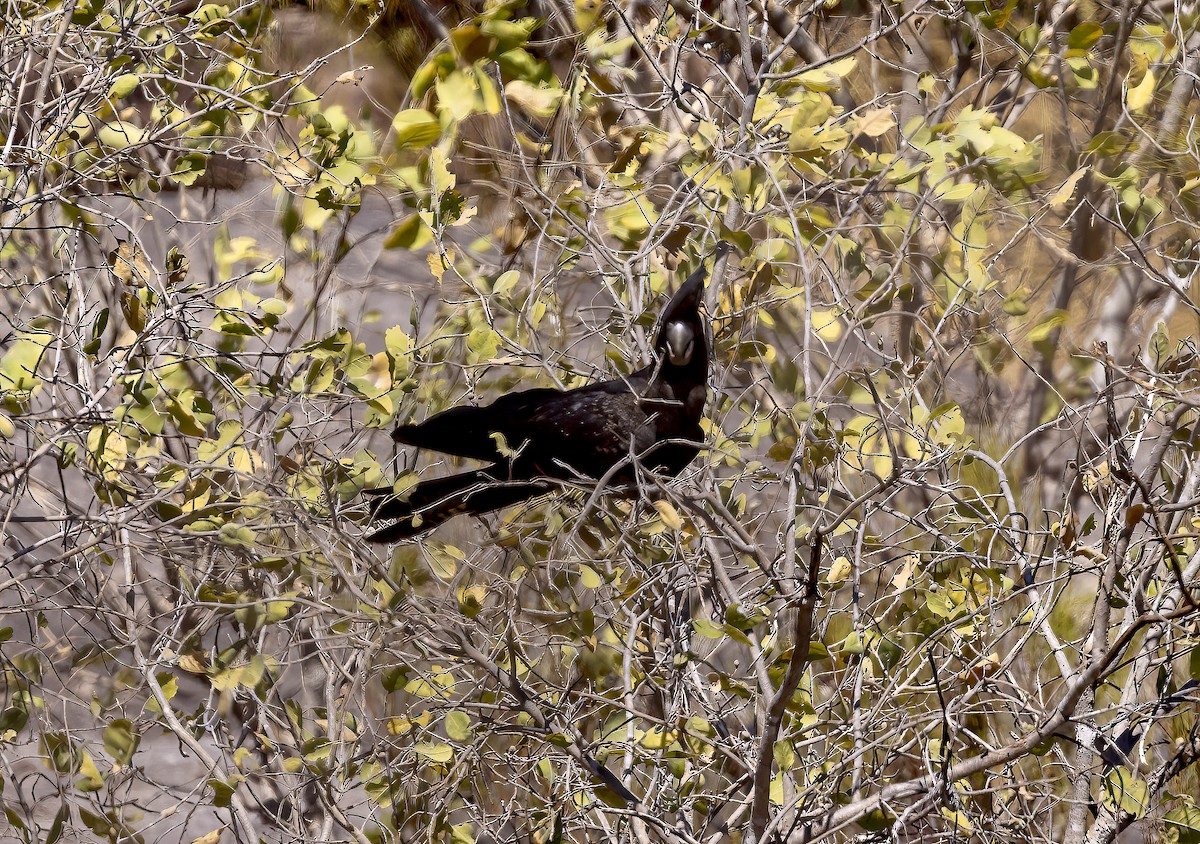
(682, 341)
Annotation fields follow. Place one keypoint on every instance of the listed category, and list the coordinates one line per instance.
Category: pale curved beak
(681, 341)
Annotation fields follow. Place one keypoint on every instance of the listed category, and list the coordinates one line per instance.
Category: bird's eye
(681, 341)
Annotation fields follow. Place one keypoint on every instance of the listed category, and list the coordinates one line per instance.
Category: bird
(535, 440)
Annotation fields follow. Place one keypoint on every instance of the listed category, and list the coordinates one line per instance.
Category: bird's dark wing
(582, 432)
(469, 431)
(544, 432)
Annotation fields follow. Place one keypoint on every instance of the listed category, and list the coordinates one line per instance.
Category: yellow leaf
(108, 451)
(193, 664)
(540, 102)
(589, 577)
(19, 364)
(825, 323)
(400, 726)
(435, 751)
(669, 515)
(1067, 190)
(1127, 791)
(838, 571)
(457, 95)
(440, 177)
(775, 792)
(958, 819)
(482, 345)
(954, 191)
(658, 738)
(506, 282)
(436, 265)
(91, 779)
(121, 134)
(827, 77)
(876, 122)
(443, 559)
(901, 578)
(1043, 329)
(1139, 96)
(587, 12)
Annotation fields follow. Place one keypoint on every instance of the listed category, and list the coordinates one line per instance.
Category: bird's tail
(429, 503)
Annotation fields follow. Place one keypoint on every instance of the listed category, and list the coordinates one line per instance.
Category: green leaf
(98, 326)
(1085, 35)
(61, 754)
(482, 344)
(91, 780)
(1108, 143)
(1126, 791)
(189, 168)
(18, 366)
(223, 790)
(238, 535)
(415, 128)
(506, 282)
(1184, 818)
(411, 233)
(1048, 323)
(470, 600)
(121, 740)
(513, 33)
(146, 416)
(1014, 306)
(631, 219)
(434, 751)
(399, 348)
(123, 86)
(120, 134)
(56, 828)
(521, 64)
(458, 725)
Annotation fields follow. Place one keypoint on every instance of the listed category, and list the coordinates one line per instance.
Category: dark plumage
(536, 438)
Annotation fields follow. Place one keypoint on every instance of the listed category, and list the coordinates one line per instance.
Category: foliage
(936, 575)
